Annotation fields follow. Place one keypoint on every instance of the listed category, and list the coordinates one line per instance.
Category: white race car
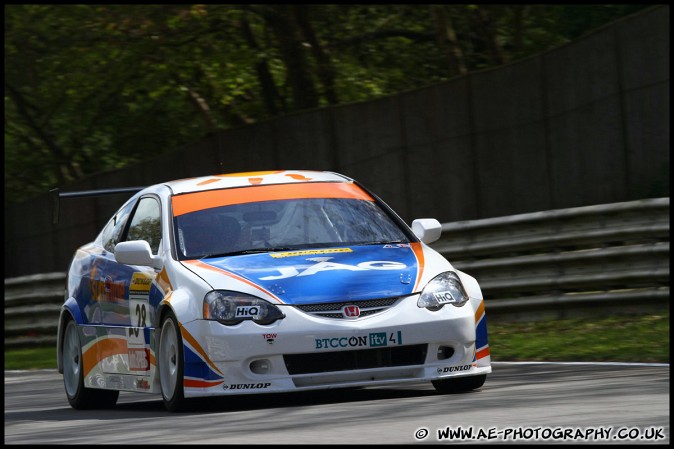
(265, 282)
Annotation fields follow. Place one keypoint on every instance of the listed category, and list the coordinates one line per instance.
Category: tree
(90, 88)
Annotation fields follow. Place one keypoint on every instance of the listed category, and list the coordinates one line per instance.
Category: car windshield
(283, 225)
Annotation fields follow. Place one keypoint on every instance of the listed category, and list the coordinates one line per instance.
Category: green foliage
(90, 88)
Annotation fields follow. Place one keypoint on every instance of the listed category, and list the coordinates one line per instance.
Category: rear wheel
(78, 395)
(459, 384)
(171, 364)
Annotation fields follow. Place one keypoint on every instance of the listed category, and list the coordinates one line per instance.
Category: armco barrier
(32, 305)
(607, 256)
(604, 257)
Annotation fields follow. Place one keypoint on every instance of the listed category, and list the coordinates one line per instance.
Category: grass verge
(621, 338)
(641, 338)
(30, 358)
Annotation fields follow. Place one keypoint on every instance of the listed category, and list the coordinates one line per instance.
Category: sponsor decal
(310, 252)
(139, 317)
(371, 272)
(139, 300)
(142, 384)
(323, 264)
(378, 339)
(372, 340)
(139, 355)
(257, 386)
(444, 297)
(140, 282)
(107, 291)
(139, 359)
(269, 337)
(247, 312)
(113, 382)
(453, 369)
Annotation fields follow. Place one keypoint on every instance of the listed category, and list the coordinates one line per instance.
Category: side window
(146, 223)
(113, 230)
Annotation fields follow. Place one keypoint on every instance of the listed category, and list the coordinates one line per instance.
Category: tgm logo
(323, 265)
(351, 311)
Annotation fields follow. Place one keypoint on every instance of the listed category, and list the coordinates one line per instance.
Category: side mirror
(427, 229)
(136, 252)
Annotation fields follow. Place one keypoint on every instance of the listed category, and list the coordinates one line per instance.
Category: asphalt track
(521, 403)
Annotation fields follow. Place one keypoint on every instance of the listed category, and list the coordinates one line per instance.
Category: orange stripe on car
(208, 181)
(163, 282)
(479, 313)
(482, 353)
(191, 202)
(100, 350)
(298, 177)
(193, 383)
(419, 254)
(197, 347)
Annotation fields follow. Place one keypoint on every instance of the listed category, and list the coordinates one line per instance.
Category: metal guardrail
(612, 256)
(608, 256)
(32, 305)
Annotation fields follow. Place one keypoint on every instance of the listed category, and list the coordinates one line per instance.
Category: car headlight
(230, 308)
(445, 288)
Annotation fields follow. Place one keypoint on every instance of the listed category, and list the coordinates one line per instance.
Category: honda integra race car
(265, 282)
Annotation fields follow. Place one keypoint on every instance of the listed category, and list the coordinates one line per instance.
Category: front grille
(326, 362)
(334, 309)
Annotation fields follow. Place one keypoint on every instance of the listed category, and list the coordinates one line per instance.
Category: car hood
(324, 275)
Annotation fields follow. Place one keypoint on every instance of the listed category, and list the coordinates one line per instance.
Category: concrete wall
(587, 123)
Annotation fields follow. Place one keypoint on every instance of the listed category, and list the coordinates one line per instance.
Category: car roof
(248, 179)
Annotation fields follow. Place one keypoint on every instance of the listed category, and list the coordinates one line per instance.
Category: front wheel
(79, 396)
(171, 364)
(459, 384)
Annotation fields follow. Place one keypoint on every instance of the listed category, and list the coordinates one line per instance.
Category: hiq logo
(247, 311)
(444, 297)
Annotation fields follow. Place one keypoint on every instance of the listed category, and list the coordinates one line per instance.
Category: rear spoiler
(57, 195)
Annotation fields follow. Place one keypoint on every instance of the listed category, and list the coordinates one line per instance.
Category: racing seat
(231, 231)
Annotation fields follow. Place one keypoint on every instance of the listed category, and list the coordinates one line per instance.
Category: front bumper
(301, 351)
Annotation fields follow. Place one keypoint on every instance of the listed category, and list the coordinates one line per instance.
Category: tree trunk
(487, 29)
(273, 100)
(282, 23)
(326, 73)
(447, 42)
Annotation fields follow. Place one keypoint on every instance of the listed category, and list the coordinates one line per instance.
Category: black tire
(459, 384)
(80, 397)
(171, 364)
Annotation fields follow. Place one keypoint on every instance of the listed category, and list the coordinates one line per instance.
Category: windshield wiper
(379, 242)
(248, 251)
